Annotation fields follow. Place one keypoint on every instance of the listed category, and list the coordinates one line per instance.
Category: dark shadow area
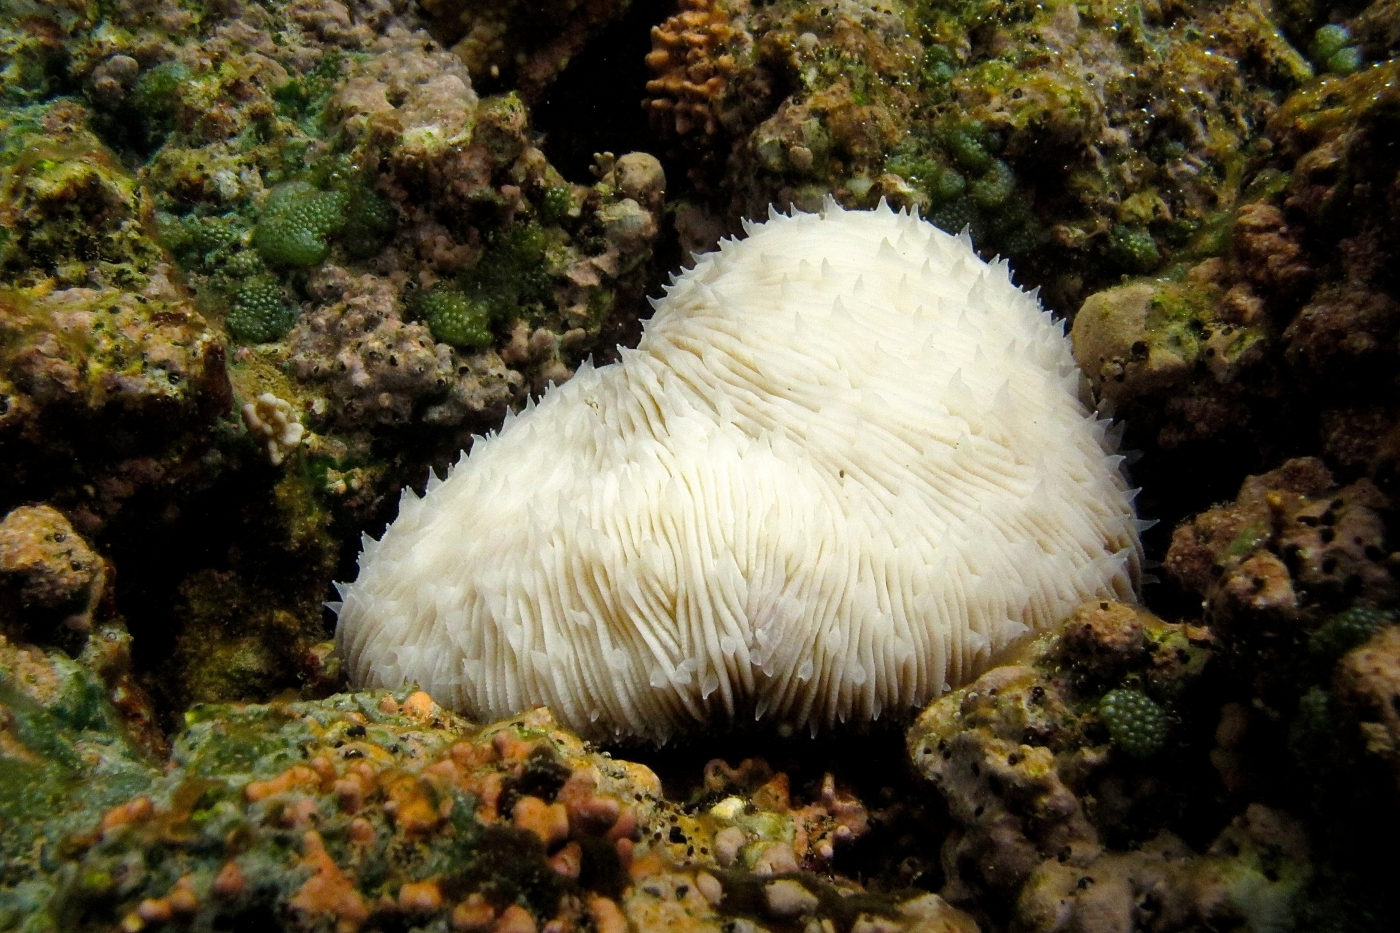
(596, 104)
(908, 819)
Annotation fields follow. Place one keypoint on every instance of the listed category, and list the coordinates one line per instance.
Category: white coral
(270, 419)
(848, 464)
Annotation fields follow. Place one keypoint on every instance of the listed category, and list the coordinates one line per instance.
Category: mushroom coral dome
(848, 464)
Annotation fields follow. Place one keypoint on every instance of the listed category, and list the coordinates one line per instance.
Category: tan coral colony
(848, 464)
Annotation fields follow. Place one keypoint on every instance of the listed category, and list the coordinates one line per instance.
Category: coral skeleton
(848, 465)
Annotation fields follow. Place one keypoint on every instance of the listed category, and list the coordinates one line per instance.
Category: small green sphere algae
(369, 222)
(296, 220)
(1133, 249)
(1136, 724)
(154, 98)
(965, 141)
(994, 188)
(258, 313)
(453, 317)
(1346, 630)
(1331, 48)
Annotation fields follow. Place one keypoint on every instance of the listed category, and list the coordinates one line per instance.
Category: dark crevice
(595, 105)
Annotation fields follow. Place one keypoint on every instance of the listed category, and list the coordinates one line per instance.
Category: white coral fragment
(271, 420)
(848, 464)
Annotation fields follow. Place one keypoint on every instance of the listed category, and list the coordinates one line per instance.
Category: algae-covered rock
(1287, 335)
(1289, 554)
(1083, 140)
(369, 810)
(1057, 824)
(106, 392)
(64, 759)
(1298, 581)
(68, 207)
(1033, 765)
(1251, 876)
(48, 574)
(1151, 337)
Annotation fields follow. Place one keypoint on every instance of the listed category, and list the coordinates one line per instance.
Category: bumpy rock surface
(367, 810)
(47, 571)
(1060, 824)
(204, 208)
(1298, 580)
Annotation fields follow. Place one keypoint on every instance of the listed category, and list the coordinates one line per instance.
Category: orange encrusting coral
(694, 55)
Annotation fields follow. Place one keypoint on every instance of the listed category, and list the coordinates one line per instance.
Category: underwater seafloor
(263, 264)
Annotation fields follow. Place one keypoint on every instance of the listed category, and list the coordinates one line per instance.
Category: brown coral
(695, 55)
(1368, 690)
(1268, 251)
(48, 567)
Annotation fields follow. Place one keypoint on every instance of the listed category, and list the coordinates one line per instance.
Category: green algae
(69, 760)
(155, 99)
(513, 280)
(296, 221)
(258, 312)
(1331, 48)
(1344, 631)
(70, 208)
(1136, 724)
(370, 221)
(453, 317)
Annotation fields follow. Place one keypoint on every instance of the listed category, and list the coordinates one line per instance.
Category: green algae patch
(71, 211)
(63, 757)
(453, 317)
(259, 313)
(370, 221)
(1136, 724)
(296, 221)
(1332, 50)
(216, 744)
(512, 280)
(1344, 631)
(1333, 103)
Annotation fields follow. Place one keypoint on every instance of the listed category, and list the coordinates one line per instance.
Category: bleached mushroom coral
(847, 465)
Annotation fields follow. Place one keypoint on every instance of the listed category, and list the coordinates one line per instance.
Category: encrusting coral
(846, 466)
(373, 810)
